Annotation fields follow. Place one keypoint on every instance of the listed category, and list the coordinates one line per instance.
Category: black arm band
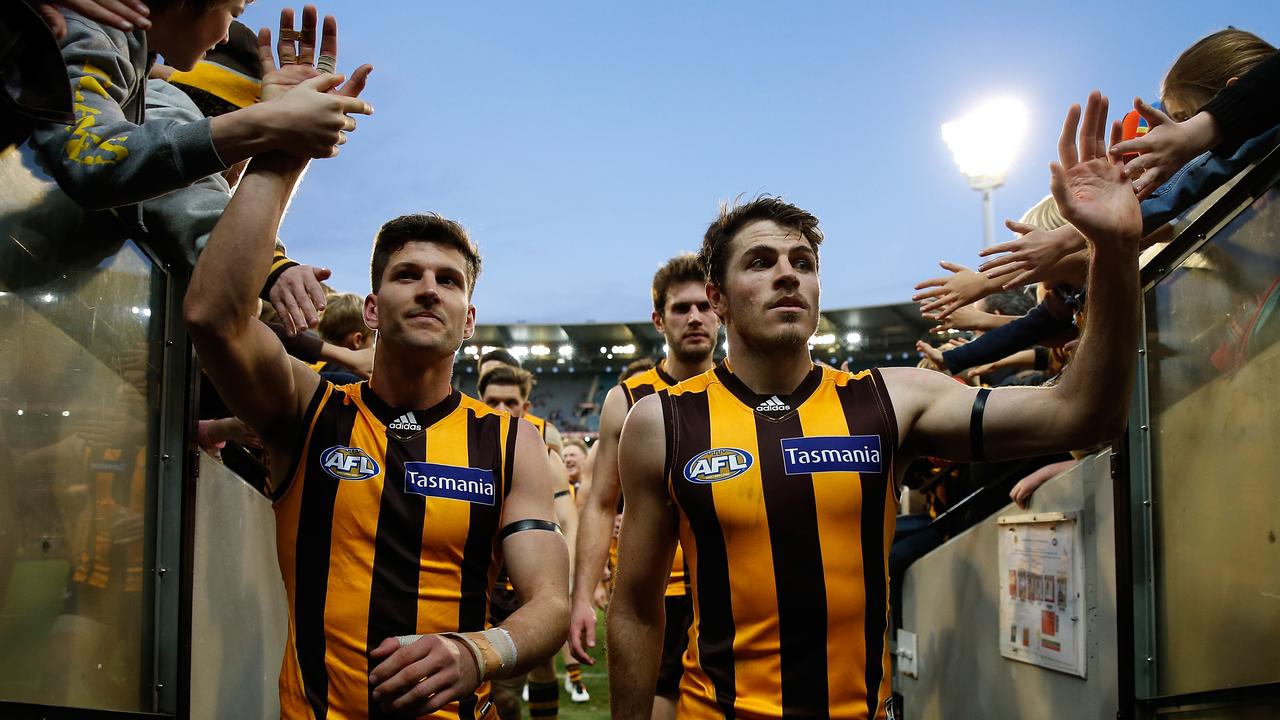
(975, 425)
(561, 494)
(529, 524)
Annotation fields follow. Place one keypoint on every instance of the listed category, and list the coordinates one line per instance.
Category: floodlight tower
(983, 144)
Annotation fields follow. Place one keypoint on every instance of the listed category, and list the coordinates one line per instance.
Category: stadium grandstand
(576, 365)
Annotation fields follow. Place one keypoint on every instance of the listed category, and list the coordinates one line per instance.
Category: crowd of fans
(155, 151)
(1217, 113)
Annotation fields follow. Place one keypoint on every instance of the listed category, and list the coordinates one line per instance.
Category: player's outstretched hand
(1166, 147)
(1090, 188)
(423, 676)
(297, 51)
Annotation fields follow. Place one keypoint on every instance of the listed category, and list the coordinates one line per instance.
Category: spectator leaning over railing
(229, 78)
(1210, 65)
(1222, 91)
(113, 156)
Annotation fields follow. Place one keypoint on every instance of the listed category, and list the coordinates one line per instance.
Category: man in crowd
(778, 475)
(550, 433)
(396, 499)
(683, 314)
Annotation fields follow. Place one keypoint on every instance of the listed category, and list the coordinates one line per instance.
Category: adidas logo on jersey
(773, 404)
(405, 422)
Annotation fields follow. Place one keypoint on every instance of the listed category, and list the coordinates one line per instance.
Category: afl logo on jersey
(717, 464)
(348, 463)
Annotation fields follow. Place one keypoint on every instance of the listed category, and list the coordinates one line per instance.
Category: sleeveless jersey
(387, 526)
(786, 511)
(636, 387)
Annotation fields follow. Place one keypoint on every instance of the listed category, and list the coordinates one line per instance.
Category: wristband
(279, 264)
(492, 650)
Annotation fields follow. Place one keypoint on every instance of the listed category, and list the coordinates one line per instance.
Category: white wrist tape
(493, 650)
(501, 641)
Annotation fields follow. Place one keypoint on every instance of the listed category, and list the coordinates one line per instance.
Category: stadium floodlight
(539, 350)
(47, 297)
(853, 338)
(471, 350)
(628, 349)
(565, 351)
(983, 144)
(486, 349)
(519, 352)
(823, 339)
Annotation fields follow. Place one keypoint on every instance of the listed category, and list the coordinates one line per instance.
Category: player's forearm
(225, 284)
(1096, 386)
(634, 646)
(595, 531)
(540, 627)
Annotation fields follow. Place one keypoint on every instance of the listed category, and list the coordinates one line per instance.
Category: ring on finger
(327, 64)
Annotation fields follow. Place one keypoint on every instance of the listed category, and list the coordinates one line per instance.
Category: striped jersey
(386, 526)
(117, 489)
(634, 388)
(786, 513)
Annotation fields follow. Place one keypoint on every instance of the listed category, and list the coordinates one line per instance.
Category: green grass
(596, 680)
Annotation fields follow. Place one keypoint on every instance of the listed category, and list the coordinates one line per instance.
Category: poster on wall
(1042, 591)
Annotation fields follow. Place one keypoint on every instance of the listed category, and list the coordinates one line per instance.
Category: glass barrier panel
(1214, 367)
(80, 329)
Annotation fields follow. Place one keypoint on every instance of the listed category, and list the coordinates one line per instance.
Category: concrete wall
(951, 602)
(239, 618)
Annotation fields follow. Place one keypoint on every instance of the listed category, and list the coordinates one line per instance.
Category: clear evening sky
(583, 143)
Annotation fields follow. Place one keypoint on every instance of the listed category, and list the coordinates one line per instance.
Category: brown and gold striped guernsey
(787, 510)
(117, 488)
(387, 526)
(636, 387)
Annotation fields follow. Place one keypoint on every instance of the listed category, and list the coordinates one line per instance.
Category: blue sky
(584, 143)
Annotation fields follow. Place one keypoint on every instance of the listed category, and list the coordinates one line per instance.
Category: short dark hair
(679, 269)
(1013, 303)
(507, 375)
(500, 355)
(635, 367)
(422, 227)
(737, 215)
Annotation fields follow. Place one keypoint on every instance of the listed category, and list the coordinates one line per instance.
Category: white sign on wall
(1042, 591)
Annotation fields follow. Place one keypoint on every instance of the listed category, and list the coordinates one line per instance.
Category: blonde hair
(1204, 68)
(343, 315)
(1044, 215)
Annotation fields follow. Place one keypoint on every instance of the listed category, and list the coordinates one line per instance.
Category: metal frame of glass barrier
(1137, 630)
